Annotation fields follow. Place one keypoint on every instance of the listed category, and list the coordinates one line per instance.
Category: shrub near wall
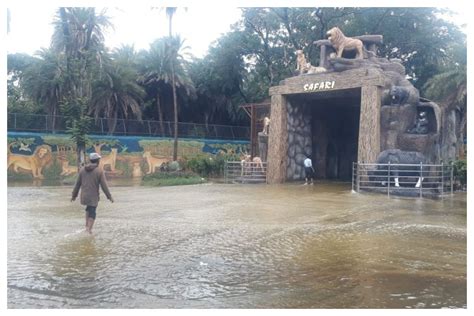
(210, 166)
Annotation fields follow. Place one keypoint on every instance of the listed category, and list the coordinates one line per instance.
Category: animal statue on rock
(399, 95)
(341, 43)
(302, 66)
(266, 125)
(248, 164)
(399, 157)
(421, 124)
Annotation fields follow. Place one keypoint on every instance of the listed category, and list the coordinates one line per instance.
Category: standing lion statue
(341, 43)
(35, 163)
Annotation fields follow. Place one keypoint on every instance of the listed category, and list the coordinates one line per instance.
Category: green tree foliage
(240, 66)
(18, 100)
(116, 92)
(156, 76)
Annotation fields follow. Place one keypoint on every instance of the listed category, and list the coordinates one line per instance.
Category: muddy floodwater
(236, 246)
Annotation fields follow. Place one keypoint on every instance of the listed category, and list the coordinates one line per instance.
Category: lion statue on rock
(42, 156)
(341, 43)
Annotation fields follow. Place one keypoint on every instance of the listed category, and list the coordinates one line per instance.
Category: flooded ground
(236, 246)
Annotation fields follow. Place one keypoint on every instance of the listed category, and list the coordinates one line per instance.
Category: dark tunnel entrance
(334, 123)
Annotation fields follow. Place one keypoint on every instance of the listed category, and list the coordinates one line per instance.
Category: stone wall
(299, 139)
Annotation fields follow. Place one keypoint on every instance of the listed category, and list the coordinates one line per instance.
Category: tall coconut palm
(117, 93)
(170, 11)
(155, 74)
(78, 35)
(158, 67)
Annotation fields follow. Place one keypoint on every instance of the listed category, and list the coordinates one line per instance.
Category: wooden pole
(369, 126)
(253, 132)
(277, 141)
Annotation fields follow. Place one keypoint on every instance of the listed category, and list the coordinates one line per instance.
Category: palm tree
(170, 11)
(78, 36)
(117, 92)
(43, 82)
(158, 67)
(449, 88)
(155, 73)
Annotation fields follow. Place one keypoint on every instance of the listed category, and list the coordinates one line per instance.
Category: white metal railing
(414, 179)
(245, 172)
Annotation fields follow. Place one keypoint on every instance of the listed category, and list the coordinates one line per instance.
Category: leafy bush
(174, 166)
(460, 171)
(53, 171)
(172, 178)
(210, 165)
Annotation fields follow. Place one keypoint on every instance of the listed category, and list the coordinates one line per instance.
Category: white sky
(31, 28)
(138, 25)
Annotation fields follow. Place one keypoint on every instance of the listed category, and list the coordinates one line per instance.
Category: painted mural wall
(43, 156)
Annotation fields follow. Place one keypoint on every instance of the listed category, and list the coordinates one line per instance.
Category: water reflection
(216, 246)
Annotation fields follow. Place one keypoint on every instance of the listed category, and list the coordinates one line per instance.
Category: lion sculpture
(302, 66)
(42, 156)
(341, 43)
(248, 164)
(266, 125)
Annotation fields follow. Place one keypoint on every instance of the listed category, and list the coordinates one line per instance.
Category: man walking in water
(308, 169)
(89, 179)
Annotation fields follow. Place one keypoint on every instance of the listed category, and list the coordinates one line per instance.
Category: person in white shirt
(308, 169)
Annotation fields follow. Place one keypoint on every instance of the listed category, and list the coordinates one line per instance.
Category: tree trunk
(175, 103)
(81, 159)
(160, 114)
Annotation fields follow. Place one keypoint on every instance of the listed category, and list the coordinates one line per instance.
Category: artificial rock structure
(351, 112)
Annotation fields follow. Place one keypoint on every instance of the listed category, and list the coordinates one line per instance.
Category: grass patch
(172, 178)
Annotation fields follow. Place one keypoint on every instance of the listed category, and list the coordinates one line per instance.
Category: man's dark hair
(95, 160)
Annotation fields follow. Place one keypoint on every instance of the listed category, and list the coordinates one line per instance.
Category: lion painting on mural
(153, 162)
(35, 163)
(110, 160)
(341, 43)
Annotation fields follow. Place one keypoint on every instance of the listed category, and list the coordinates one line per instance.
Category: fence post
(232, 130)
(225, 171)
(358, 177)
(46, 123)
(102, 125)
(388, 185)
(353, 170)
(421, 179)
(452, 177)
(15, 120)
(442, 179)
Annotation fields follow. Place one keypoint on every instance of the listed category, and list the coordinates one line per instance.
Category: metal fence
(52, 124)
(429, 180)
(248, 172)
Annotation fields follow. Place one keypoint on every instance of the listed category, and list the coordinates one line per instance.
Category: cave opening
(334, 119)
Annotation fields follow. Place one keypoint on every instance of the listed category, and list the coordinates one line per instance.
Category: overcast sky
(31, 28)
(138, 25)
